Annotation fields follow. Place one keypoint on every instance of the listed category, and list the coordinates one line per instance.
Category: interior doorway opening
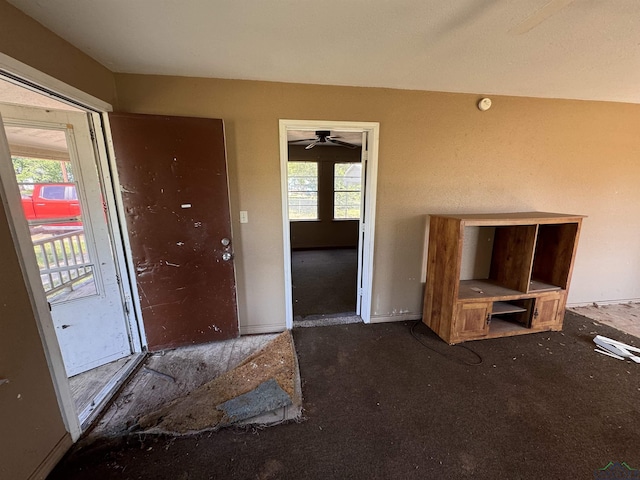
(328, 186)
(62, 215)
(324, 179)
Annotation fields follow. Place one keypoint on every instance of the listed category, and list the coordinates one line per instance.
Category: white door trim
(109, 175)
(364, 158)
(373, 131)
(35, 80)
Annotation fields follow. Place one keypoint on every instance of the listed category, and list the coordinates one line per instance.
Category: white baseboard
(255, 329)
(404, 317)
(53, 458)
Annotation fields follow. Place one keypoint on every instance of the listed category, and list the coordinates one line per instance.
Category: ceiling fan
(324, 136)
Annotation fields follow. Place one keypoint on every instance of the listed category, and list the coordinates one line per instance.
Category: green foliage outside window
(347, 186)
(303, 190)
(39, 170)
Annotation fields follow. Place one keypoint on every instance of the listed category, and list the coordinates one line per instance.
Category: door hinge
(126, 308)
(361, 292)
(365, 155)
(92, 134)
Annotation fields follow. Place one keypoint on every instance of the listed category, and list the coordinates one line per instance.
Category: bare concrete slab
(326, 320)
(624, 316)
(85, 386)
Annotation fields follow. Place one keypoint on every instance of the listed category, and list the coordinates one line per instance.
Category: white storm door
(52, 184)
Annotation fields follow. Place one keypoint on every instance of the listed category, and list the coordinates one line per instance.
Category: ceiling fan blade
(303, 140)
(341, 143)
(312, 144)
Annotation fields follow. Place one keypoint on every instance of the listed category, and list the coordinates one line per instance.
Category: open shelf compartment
(514, 316)
(503, 308)
(512, 255)
(552, 260)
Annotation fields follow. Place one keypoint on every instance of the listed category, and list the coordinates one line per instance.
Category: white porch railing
(63, 260)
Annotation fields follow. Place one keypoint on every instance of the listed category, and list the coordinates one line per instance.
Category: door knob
(225, 242)
(3, 381)
(226, 256)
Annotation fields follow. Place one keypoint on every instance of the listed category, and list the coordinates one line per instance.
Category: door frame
(111, 188)
(28, 77)
(370, 173)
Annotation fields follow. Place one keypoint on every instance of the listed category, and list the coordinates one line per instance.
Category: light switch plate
(244, 216)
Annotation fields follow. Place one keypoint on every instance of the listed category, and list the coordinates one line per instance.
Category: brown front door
(173, 178)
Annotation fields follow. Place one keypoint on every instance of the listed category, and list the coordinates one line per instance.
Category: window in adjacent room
(303, 190)
(347, 186)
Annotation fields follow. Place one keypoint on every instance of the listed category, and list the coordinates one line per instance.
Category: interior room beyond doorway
(324, 204)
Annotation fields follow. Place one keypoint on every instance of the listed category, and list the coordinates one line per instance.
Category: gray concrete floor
(624, 316)
(85, 386)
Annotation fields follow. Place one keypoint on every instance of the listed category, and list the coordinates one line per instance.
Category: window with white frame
(347, 191)
(302, 178)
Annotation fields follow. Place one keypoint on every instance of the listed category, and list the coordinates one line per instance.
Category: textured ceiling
(580, 49)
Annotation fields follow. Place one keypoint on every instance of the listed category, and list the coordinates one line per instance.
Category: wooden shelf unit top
(520, 218)
(488, 291)
(536, 286)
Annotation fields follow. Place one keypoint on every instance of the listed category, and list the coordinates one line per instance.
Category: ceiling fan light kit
(323, 136)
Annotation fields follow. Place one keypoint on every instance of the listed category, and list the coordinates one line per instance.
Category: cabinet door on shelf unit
(546, 312)
(471, 321)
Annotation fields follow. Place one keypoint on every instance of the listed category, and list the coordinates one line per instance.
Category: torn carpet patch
(266, 397)
(197, 410)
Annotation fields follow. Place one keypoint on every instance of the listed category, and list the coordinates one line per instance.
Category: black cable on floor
(448, 357)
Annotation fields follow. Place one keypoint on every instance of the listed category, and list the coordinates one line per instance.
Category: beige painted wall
(26, 40)
(438, 154)
(29, 414)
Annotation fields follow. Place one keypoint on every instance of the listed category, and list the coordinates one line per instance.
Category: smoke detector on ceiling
(484, 104)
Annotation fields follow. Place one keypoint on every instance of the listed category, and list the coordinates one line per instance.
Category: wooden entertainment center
(497, 275)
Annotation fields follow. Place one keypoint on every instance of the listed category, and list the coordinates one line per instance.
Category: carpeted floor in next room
(378, 404)
(323, 282)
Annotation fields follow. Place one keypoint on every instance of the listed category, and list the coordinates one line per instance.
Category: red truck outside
(50, 201)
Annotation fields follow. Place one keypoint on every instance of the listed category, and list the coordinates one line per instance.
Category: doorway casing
(370, 131)
(25, 76)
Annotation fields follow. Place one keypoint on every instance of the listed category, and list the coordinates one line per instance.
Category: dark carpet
(381, 405)
(324, 281)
